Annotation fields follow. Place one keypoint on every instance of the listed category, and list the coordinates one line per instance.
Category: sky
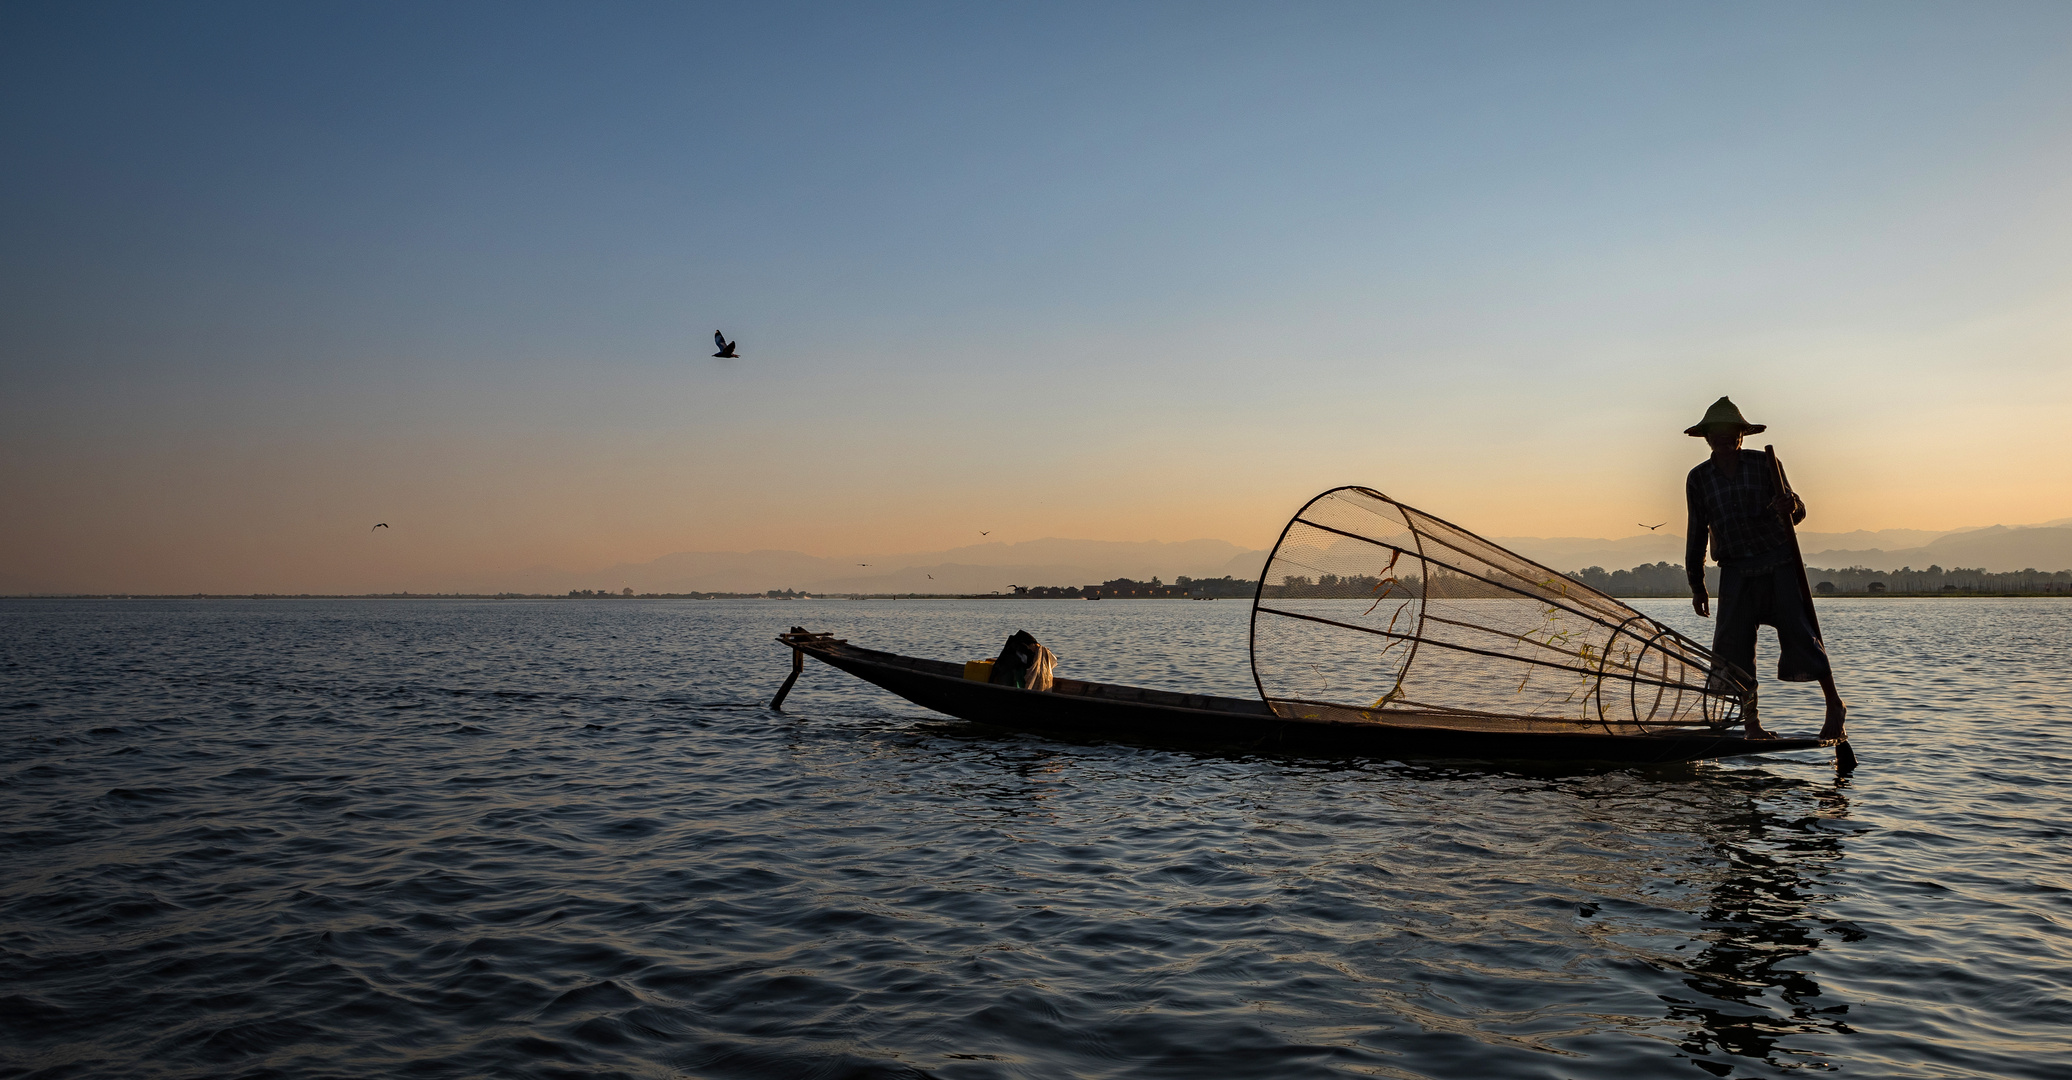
(274, 273)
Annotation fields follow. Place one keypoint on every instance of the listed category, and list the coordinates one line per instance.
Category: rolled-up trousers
(1768, 596)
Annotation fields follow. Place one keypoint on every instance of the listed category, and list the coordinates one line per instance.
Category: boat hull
(1084, 710)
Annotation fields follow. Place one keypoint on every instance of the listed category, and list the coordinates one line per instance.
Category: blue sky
(1106, 271)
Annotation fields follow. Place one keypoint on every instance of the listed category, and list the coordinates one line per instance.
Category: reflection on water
(1736, 861)
(1763, 916)
(323, 839)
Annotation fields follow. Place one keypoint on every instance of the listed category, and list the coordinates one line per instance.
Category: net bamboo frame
(1370, 611)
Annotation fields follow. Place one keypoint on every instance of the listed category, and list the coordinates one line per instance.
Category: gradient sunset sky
(275, 272)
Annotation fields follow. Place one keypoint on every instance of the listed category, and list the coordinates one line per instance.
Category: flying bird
(931, 577)
(726, 348)
(987, 532)
(1650, 528)
(863, 564)
(383, 525)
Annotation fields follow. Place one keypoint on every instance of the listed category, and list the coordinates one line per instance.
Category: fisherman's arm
(1694, 551)
(1788, 501)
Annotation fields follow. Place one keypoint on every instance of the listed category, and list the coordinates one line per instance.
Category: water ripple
(338, 838)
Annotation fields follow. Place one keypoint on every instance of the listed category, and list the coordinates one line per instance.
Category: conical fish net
(1375, 612)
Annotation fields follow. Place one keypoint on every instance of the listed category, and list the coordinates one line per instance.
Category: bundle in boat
(1371, 611)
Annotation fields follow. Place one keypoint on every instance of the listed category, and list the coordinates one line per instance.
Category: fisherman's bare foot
(1836, 713)
(1756, 732)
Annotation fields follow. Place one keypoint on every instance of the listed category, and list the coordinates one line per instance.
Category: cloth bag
(1024, 662)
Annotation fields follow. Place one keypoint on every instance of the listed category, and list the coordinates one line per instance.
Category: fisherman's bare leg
(1733, 637)
(1836, 710)
(1754, 729)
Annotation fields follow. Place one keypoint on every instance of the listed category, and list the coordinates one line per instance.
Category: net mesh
(1375, 612)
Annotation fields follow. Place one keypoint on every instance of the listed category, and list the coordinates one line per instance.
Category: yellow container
(978, 670)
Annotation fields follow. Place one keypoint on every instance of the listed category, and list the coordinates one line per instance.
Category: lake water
(559, 838)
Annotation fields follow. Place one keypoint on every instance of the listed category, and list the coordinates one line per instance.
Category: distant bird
(931, 577)
(383, 525)
(726, 348)
(987, 532)
(863, 564)
(1650, 528)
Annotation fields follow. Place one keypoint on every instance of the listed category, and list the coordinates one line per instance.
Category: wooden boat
(1078, 709)
(1388, 631)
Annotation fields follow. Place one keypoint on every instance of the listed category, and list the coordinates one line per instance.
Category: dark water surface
(351, 838)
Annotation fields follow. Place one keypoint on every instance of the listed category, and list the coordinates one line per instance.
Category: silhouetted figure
(726, 348)
(1736, 499)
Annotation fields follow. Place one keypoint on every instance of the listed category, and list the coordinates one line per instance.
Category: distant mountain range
(998, 567)
(1997, 548)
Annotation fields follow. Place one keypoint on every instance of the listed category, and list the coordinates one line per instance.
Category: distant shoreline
(2059, 595)
(552, 596)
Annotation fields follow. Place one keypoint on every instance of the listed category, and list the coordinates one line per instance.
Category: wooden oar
(1845, 758)
(798, 664)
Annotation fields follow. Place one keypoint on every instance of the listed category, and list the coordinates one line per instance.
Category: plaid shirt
(1735, 512)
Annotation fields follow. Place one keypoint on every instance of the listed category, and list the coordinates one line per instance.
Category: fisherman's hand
(1701, 603)
(1784, 506)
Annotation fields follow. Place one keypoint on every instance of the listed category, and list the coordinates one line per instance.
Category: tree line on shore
(1648, 579)
(1667, 579)
(1645, 580)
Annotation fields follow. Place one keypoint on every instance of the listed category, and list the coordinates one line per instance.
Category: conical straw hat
(1723, 413)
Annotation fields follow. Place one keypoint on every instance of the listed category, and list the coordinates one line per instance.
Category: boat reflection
(1765, 913)
(1413, 898)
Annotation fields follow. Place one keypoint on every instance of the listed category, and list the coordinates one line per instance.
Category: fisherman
(1735, 499)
